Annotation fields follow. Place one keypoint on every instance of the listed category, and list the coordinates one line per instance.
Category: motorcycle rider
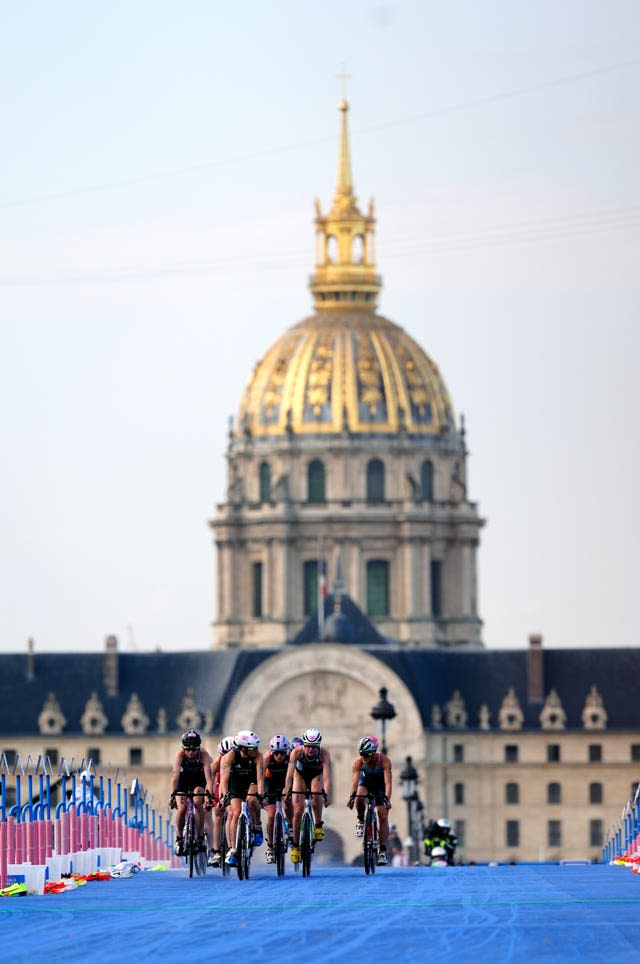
(440, 834)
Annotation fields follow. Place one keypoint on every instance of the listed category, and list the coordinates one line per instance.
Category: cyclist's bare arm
(388, 782)
(355, 774)
(175, 772)
(326, 775)
(215, 765)
(260, 773)
(207, 763)
(225, 771)
(291, 769)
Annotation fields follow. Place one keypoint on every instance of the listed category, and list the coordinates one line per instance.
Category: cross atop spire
(345, 272)
(343, 77)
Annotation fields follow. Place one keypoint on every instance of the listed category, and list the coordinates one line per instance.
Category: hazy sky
(157, 178)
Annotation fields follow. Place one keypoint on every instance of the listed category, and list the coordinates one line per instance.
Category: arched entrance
(332, 687)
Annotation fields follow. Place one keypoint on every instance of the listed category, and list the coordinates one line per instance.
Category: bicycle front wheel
(241, 834)
(190, 841)
(279, 845)
(306, 845)
(223, 845)
(247, 849)
(367, 849)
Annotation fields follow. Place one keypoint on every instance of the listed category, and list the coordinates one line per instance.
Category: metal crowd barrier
(623, 838)
(100, 818)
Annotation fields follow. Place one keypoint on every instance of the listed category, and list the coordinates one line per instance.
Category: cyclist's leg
(361, 801)
(270, 807)
(217, 821)
(233, 812)
(254, 810)
(317, 802)
(298, 809)
(198, 806)
(181, 813)
(383, 820)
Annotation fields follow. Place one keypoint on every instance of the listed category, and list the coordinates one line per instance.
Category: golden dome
(350, 371)
(346, 368)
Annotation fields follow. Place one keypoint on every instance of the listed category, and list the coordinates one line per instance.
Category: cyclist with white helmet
(192, 773)
(309, 769)
(371, 774)
(276, 764)
(241, 776)
(224, 746)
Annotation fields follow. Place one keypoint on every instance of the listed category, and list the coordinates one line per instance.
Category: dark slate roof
(162, 679)
(351, 626)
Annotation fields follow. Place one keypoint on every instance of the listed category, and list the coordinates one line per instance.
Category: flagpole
(320, 590)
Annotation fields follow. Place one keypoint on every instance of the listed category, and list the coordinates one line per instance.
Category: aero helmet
(444, 823)
(247, 740)
(312, 737)
(368, 744)
(225, 744)
(279, 743)
(191, 740)
(295, 741)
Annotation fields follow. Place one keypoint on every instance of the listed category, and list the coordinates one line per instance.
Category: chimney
(535, 669)
(31, 660)
(110, 666)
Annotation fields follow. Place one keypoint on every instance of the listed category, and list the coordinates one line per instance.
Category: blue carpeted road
(478, 914)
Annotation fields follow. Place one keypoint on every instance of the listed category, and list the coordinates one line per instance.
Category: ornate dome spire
(345, 274)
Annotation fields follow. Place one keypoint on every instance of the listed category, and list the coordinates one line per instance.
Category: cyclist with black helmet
(242, 778)
(276, 764)
(192, 774)
(309, 769)
(371, 774)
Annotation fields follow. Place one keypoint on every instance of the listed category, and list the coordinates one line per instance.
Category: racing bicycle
(371, 836)
(195, 858)
(307, 829)
(280, 841)
(245, 839)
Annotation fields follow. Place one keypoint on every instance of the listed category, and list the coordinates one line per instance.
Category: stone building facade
(347, 554)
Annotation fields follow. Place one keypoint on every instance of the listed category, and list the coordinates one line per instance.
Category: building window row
(554, 793)
(375, 481)
(554, 833)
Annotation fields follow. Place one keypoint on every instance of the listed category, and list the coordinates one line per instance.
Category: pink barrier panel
(57, 835)
(73, 837)
(3, 854)
(94, 836)
(118, 832)
(30, 831)
(46, 840)
(21, 844)
(11, 840)
(66, 833)
(84, 831)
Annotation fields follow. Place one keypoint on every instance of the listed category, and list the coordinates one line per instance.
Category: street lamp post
(409, 780)
(382, 711)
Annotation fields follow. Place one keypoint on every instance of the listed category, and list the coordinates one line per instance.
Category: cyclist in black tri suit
(192, 772)
(309, 769)
(241, 774)
(371, 773)
(276, 764)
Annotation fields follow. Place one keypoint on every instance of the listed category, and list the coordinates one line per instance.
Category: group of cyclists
(240, 772)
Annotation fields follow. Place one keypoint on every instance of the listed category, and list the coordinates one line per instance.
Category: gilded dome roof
(349, 371)
(346, 368)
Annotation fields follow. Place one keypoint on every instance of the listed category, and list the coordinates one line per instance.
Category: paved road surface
(466, 914)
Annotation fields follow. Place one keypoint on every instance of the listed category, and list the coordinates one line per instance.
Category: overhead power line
(303, 145)
(541, 230)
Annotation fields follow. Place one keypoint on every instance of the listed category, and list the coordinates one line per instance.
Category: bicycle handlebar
(307, 793)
